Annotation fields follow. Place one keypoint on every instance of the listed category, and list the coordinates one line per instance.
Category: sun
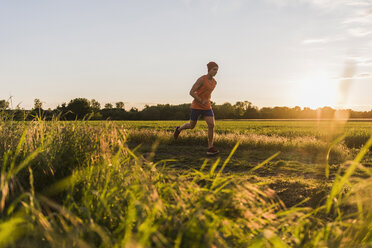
(316, 91)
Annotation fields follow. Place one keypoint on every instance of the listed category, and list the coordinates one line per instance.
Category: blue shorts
(195, 113)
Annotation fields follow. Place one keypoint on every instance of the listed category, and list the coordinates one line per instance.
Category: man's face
(213, 71)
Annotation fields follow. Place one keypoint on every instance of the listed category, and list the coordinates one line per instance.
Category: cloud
(364, 75)
(361, 20)
(360, 24)
(363, 16)
(359, 3)
(360, 32)
(338, 3)
(325, 4)
(360, 61)
(324, 40)
(315, 41)
(368, 12)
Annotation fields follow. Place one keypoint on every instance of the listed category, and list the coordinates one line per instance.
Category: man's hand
(204, 102)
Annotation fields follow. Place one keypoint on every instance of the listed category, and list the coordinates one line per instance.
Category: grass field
(293, 173)
(129, 184)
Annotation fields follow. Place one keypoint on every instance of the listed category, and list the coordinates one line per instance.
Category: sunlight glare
(316, 92)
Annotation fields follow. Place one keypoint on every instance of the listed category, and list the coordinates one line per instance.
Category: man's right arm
(195, 87)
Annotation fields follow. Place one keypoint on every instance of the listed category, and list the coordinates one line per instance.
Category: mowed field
(130, 184)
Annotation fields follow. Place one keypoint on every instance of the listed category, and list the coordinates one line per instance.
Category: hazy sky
(270, 52)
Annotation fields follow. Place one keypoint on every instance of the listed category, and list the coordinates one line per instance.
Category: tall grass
(319, 130)
(310, 145)
(74, 184)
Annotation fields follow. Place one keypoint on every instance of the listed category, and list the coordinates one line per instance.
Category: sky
(307, 53)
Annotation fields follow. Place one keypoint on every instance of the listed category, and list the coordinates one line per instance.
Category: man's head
(212, 68)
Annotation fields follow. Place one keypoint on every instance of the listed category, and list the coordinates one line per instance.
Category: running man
(201, 92)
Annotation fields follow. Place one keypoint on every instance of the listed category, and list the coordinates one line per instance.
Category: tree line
(82, 108)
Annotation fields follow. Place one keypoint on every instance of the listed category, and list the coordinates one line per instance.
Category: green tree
(108, 106)
(96, 106)
(224, 111)
(241, 108)
(38, 104)
(79, 108)
(134, 110)
(4, 104)
(326, 112)
(119, 105)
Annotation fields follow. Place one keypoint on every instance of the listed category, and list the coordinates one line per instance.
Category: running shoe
(212, 151)
(176, 133)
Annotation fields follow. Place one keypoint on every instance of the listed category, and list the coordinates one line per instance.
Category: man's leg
(178, 130)
(194, 114)
(189, 125)
(210, 122)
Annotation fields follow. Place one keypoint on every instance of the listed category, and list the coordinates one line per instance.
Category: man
(201, 106)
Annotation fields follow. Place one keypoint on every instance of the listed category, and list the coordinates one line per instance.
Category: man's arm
(195, 87)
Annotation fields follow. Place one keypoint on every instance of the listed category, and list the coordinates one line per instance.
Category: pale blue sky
(270, 52)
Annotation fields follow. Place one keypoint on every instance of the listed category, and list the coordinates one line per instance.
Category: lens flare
(316, 91)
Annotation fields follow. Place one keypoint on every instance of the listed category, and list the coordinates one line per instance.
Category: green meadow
(129, 184)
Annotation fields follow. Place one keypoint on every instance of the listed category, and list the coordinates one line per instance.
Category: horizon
(306, 53)
(141, 106)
